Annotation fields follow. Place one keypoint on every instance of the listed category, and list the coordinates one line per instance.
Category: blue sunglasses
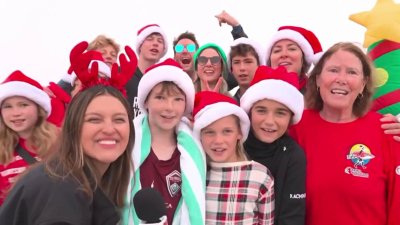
(190, 48)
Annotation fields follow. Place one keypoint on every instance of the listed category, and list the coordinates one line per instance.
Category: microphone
(150, 206)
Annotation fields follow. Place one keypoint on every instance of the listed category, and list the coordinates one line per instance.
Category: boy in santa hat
(151, 46)
(166, 157)
(274, 102)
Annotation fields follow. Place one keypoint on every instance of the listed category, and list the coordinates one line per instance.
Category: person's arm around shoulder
(392, 161)
(391, 125)
(237, 29)
(293, 202)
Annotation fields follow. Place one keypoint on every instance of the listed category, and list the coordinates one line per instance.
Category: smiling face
(220, 139)
(340, 82)
(152, 47)
(207, 70)
(165, 106)
(269, 120)
(20, 115)
(105, 131)
(288, 54)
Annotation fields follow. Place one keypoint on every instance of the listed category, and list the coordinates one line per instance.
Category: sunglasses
(215, 60)
(190, 48)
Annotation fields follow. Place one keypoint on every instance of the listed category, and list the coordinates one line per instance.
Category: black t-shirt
(132, 90)
(38, 199)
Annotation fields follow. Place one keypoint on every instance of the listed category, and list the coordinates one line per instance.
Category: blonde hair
(42, 140)
(101, 41)
(240, 151)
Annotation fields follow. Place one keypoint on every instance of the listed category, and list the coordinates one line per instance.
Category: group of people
(248, 137)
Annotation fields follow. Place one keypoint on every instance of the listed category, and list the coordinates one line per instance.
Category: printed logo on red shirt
(174, 182)
(398, 170)
(360, 155)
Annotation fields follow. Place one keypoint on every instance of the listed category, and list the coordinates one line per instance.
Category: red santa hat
(257, 47)
(306, 39)
(169, 70)
(18, 84)
(147, 30)
(210, 106)
(96, 57)
(275, 84)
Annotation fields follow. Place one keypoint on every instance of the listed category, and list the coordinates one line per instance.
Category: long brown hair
(70, 159)
(362, 103)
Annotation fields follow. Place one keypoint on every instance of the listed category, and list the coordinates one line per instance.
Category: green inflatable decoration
(386, 57)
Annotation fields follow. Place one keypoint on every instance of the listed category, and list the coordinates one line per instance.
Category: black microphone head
(149, 205)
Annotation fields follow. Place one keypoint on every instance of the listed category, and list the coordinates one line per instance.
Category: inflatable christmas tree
(382, 39)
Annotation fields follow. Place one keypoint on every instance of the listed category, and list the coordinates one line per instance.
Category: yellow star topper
(382, 22)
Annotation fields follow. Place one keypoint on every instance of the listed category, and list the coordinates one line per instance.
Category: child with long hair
(25, 135)
(239, 191)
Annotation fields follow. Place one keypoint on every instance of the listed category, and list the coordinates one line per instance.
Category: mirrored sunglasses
(190, 48)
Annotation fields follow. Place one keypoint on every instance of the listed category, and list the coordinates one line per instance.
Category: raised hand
(206, 87)
(225, 17)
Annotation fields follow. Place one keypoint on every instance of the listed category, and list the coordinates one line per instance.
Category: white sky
(37, 35)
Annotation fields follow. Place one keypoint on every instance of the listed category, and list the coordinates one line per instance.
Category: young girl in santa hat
(238, 191)
(166, 157)
(25, 135)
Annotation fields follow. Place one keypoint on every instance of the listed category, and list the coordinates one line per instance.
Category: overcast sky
(37, 35)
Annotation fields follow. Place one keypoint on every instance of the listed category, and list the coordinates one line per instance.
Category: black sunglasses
(214, 60)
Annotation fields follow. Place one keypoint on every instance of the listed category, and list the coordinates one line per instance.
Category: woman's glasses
(214, 60)
(190, 48)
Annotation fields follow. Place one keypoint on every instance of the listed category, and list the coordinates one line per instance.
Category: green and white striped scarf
(191, 207)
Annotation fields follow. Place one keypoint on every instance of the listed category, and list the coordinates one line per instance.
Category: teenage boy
(166, 156)
(274, 102)
(244, 58)
(151, 46)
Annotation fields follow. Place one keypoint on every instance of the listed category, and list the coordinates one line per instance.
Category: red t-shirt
(351, 171)
(9, 172)
(165, 176)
